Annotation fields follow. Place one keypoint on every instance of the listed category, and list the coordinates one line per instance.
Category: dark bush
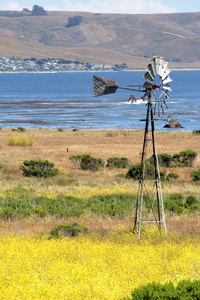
(60, 129)
(191, 200)
(71, 230)
(87, 162)
(172, 176)
(164, 159)
(1, 166)
(116, 162)
(38, 11)
(74, 21)
(197, 132)
(185, 289)
(135, 172)
(21, 129)
(192, 204)
(196, 175)
(185, 158)
(39, 168)
(174, 203)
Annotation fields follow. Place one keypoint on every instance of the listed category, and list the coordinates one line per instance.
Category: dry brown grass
(57, 147)
(181, 225)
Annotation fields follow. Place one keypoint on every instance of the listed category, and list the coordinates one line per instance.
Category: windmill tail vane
(155, 88)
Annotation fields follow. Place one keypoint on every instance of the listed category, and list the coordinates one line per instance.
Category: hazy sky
(107, 6)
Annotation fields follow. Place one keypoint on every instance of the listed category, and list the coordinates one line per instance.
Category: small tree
(74, 21)
(116, 162)
(38, 11)
(185, 158)
(71, 230)
(135, 171)
(87, 162)
(172, 176)
(38, 168)
(196, 175)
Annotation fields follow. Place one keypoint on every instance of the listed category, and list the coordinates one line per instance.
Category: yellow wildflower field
(92, 266)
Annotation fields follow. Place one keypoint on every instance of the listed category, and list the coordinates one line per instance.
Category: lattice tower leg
(149, 204)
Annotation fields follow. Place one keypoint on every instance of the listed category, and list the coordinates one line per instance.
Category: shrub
(174, 203)
(197, 132)
(192, 203)
(196, 175)
(191, 200)
(172, 176)
(60, 129)
(74, 21)
(164, 159)
(185, 158)
(185, 289)
(24, 140)
(38, 168)
(21, 129)
(67, 230)
(22, 203)
(87, 162)
(116, 162)
(1, 166)
(135, 172)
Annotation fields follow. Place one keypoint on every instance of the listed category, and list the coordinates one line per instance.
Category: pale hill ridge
(104, 38)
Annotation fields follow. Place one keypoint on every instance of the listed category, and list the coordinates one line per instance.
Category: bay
(64, 100)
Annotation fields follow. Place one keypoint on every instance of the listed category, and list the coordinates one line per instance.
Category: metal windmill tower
(149, 204)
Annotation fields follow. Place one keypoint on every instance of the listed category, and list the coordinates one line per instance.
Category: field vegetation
(105, 260)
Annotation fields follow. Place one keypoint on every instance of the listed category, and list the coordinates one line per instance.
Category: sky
(107, 6)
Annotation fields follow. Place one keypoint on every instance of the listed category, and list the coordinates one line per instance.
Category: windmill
(149, 204)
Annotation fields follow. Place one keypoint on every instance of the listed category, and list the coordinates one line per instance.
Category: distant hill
(103, 38)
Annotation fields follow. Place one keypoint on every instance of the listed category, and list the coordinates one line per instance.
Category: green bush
(23, 203)
(192, 204)
(135, 172)
(185, 158)
(1, 166)
(191, 200)
(21, 129)
(196, 175)
(174, 203)
(185, 289)
(172, 176)
(60, 129)
(87, 162)
(116, 162)
(197, 132)
(71, 230)
(164, 159)
(38, 168)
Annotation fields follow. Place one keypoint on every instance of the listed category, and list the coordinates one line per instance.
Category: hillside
(104, 38)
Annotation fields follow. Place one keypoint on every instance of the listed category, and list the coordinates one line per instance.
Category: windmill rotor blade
(164, 67)
(158, 64)
(167, 80)
(166, 73)
(148, 77)
(167, 88)
(103, 86)
(150, 71)
(152, 63)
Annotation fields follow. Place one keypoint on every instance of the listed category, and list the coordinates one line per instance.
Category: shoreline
(89, 71)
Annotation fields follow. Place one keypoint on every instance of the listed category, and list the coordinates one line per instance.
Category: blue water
(64, 100)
